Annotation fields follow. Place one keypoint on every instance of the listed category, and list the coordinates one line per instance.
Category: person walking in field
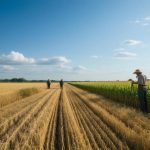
(48, 84)
(61, 83)
(142, 91)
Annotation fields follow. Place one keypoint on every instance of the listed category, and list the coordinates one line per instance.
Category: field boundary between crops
(133, 103)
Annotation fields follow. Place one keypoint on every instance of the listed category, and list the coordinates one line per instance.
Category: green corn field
(119, 91)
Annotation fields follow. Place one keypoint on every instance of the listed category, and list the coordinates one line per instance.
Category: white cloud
(132, 42)
(56, 61)
(119, 49)
(125, 55)
(15, 58)
(53, 64)
(145, 24)
(19, 57)
(8, 68)
(137, 21)
(145, 21)
(147, 18)
(80, 68)
(94, 56)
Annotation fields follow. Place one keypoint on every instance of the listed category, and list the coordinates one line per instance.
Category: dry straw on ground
(71, 119)
(11, 92)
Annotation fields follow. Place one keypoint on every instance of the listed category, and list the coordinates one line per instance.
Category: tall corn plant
(121, 92)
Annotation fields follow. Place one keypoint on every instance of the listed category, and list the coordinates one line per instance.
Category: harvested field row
(16, 130)
(71, 119)
(126, 124)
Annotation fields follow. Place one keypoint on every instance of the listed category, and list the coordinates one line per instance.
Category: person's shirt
(141, 79)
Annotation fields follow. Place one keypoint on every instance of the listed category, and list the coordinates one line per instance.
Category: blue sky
(74, 39)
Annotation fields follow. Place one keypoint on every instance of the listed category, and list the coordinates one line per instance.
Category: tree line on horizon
(23, 80)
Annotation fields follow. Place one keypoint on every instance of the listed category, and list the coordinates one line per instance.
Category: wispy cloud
(8, 68)
(147, 18)
(145, 21)
(137, 21)
(94, 56)
(79, 68)
(125, 55)
(132, 42)
(119, 49)
(58, 61)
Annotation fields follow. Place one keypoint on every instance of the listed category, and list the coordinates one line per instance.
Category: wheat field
(7, 88)
(71, 119)
(9, 91)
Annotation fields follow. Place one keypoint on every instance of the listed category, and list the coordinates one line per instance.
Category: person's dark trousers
(142, 98)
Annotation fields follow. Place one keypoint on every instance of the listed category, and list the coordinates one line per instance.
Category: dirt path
(71, 119)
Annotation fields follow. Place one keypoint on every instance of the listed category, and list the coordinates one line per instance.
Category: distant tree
(18, 80)
(130, 80)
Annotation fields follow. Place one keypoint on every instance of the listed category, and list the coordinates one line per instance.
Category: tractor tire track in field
(60, 139)
(69, 119)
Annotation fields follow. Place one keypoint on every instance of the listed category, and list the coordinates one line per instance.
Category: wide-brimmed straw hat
(137, 71)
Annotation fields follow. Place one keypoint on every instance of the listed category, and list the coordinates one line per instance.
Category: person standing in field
(48, 84)
(142, 91)
(61, 83)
